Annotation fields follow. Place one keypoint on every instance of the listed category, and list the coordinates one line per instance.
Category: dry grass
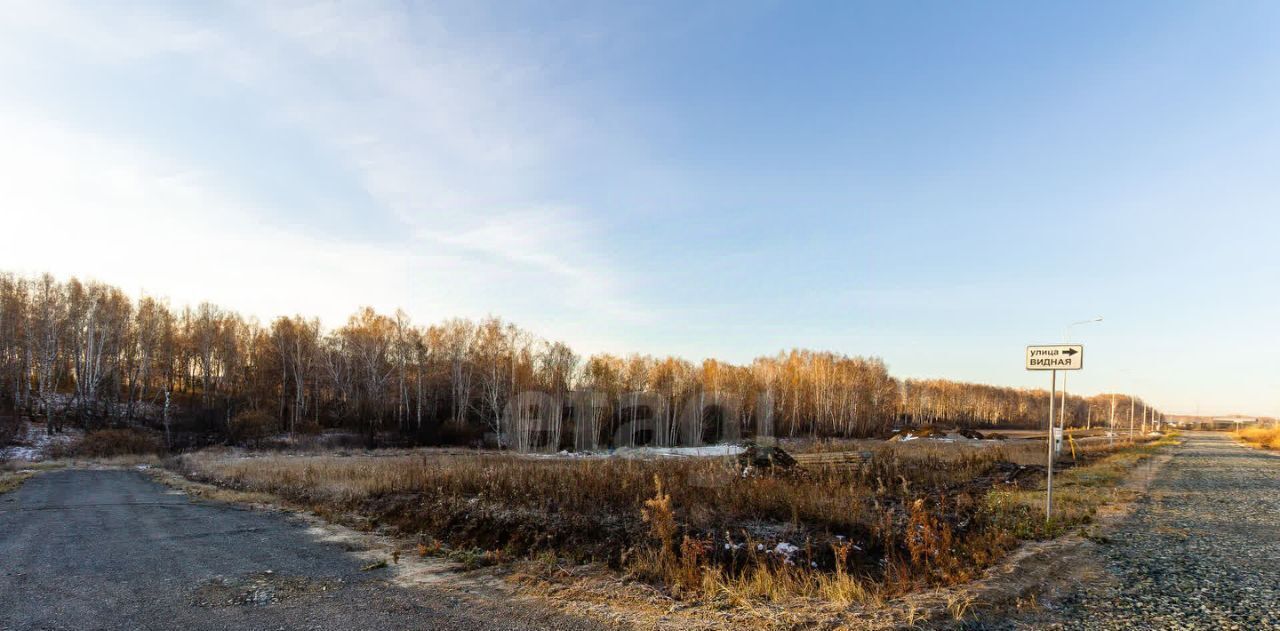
(1261, 437)
(494, 501)
(922, 513)
(24, 465)
(122, 461)
(211, 492)
(11, 480)
(13, 474)
(1078, 493)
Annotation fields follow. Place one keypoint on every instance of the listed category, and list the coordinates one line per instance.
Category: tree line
(87, 353)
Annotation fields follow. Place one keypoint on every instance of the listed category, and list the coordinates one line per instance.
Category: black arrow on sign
(1070, 351)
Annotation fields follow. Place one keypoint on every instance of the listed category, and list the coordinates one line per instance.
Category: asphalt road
(87, 549)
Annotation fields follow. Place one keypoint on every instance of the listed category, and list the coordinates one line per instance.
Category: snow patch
(35, 443)
(706, 451)
(786, 549)
(680, 452)
(19, 453)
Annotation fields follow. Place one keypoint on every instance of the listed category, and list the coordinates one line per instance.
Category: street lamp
(1129, 381)
(1066, 338)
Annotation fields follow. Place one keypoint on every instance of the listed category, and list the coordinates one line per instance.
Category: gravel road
(1201, 550)
(87, 549)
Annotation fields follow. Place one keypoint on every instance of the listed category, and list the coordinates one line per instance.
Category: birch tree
(44, 342)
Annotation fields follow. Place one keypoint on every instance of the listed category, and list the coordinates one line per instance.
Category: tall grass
(919, 514)
(1261, 437)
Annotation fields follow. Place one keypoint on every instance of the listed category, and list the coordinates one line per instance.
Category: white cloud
(84, 205)
(445, 136)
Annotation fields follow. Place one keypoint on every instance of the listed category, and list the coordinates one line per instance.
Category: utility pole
(1062, 409)
(1111, 423)
(1131, 419)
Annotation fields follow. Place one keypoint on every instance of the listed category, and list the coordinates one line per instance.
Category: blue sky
(934, 183)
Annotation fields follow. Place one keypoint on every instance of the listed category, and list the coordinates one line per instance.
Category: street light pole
(1062, 409)
(1111, 424)
(1130, 419)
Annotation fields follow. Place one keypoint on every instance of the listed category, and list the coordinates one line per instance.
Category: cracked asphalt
(99, 549)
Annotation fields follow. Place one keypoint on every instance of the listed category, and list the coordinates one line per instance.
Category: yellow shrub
(1262, 437)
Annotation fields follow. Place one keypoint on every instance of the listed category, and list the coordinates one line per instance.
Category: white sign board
(1055, 357)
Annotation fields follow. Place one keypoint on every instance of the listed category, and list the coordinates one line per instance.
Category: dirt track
(88, 549)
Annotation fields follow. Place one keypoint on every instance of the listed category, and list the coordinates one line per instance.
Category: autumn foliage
(89, 353)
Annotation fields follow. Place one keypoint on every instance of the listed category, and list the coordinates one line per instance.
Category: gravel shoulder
(1199, 551)
(111, 549)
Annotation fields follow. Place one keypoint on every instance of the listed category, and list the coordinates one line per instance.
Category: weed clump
(110, 443)
(252, 427)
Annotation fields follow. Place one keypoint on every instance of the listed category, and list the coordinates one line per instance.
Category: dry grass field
(922, 513)
(1261, 437)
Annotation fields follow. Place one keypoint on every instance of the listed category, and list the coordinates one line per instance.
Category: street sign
(1055, 357)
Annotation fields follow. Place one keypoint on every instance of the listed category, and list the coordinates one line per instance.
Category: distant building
(1233, 422)
(1212, 422)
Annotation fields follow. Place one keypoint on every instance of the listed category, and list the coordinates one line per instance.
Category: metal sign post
(1053, 358)
(1048, 481)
